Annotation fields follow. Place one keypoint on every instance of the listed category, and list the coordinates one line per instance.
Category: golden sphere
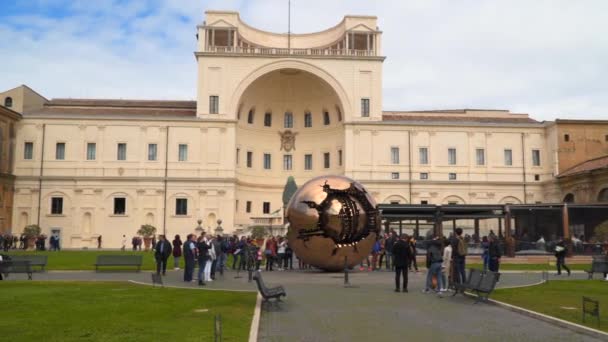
(332, 218)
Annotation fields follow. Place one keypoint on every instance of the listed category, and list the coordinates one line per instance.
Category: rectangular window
(249, 159)
(452, 156)
(508, 157)
(340, 157)
(307, 119)
(60, 151)
(91, 151)
(121, 151)
(56, 205)
(267, 161)
(606, 138)
(452, 176)
(424, 155)
(536, 177)
(266, 207)
(326, 120)
(248, 206)
(365, 108)
(152, 150)
(480, 153)
(181, 206)
(566, 137)
(28, 151)
(394, 175)
(424, 202)
(238, 155)
(395, 155)
(424, 175)
(287, 162)
(250, 117)
(288, 120)
(326, 159)
(536, 157)
(120, 206)
(308, 162)
(183, 152)
(268, 119)
(214, 104)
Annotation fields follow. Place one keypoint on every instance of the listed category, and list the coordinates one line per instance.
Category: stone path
(319, 308)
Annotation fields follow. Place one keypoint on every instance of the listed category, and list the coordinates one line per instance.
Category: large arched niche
(344, 102)
(602, 196)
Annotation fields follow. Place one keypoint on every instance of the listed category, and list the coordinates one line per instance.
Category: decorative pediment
(361, 28)
(221, 23)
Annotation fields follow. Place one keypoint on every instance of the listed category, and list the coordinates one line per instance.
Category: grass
(85, 260)
(561, 299)
(84, 311)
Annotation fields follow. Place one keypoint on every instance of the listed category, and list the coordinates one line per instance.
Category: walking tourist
(162, 251)
(134, 243)
(388, 249)
(459, 253)
(189, 252)
(402, 252)
(446, 266)
(560, 255)
(177, 251)
(413, 261)
(494, 254)
(434, 262)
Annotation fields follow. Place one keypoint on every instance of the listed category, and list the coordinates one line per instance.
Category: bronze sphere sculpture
(332, 218)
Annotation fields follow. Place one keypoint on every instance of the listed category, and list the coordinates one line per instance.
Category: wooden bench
(482, 283)
(598, 265)
(35, 260)
(16, 266)
(119, 260)
(268, 293)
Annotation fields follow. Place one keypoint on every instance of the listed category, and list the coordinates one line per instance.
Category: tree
(258, 232)
(600, 233)
(289, 190)
(146, 230)
(31, 231)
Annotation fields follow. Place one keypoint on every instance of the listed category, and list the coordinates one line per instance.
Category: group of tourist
(207, 251)
(8, 242)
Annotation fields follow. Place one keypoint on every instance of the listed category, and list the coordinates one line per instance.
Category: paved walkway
(319, 308)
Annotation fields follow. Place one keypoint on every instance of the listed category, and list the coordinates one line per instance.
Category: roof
(117, 108)
(459, 115)
(586, 167)
(9, 112)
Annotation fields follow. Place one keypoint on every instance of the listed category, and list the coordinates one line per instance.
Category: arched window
(8, 102)
(569, 198)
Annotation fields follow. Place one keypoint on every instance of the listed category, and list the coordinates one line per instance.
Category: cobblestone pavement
(320, 308)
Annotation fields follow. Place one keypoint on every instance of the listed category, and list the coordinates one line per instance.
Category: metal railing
(287, 52)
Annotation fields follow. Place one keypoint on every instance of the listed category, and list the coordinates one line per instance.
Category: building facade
(268, 106)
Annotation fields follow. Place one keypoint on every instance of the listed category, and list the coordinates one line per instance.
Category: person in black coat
(162, 251)
(494, 254)
(189, 257)
(402, 253)
(560, 255)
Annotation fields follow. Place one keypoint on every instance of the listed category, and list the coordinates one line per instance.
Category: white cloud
(546, 58)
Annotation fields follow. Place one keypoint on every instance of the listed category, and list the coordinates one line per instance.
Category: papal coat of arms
(288, 140)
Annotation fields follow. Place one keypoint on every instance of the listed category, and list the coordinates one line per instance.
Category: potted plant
(147, 231)
(31, 233)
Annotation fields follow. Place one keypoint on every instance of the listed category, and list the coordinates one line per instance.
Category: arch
(8, 102)
(602, 196)
(24, 220)
(211, 221)
(453, 198)
(87, 223)
(289, 64)
(510, 200)
(569, 198)
(150, 219)
(395, 198)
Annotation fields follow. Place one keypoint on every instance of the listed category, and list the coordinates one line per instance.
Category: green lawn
(83, 311)
(533, 267)
(561, 299)
(85, 260)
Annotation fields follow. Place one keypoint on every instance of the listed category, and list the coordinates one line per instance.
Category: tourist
(434, 262)
(376, 249)
(402, 252)
(124, 243)
(99, 242)
(270, 251)
(134, 242)
(388, 249)
(225, 249)
(216, 244)
(485, 256)
(189, 252)
(413, 261)
(177, 251)
(494, 254)
(238, 249)
(162, 251)
(288, 256)
(153, 242)
(446, 266)
(560, 255)
(459, 253)
(203, 257)
(282, 246)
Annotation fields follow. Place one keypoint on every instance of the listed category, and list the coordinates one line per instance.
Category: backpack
(463, 248)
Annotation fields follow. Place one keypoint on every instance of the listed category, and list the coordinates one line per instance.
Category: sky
(546, 58)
